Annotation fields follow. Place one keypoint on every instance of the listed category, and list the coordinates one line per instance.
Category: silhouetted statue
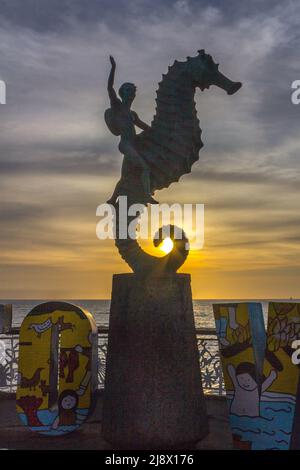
(153, 397)
(163, 152)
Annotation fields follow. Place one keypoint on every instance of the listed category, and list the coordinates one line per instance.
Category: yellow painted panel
(57, 368)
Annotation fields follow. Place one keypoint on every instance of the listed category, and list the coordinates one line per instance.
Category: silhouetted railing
(209, 359)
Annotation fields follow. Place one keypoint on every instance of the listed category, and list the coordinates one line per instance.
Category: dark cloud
(263, 177)
(43, 15)
(62, 160)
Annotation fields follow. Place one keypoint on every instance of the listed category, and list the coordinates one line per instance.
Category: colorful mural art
(57, 368)
(280, 402)
(261, 373)
(242, 339)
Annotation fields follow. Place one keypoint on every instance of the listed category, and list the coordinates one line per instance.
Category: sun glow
(166, 245)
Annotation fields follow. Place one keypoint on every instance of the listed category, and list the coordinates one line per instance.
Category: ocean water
(203, 310)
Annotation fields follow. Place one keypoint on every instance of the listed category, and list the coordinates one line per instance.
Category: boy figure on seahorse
(121, 121)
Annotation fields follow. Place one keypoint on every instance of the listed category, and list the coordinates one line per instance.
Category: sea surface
(203, 311)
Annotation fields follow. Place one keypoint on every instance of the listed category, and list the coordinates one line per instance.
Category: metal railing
(209, 359)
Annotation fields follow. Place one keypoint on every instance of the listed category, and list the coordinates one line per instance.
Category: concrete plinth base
(153, 392)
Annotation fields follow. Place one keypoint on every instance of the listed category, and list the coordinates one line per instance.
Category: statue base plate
(153, 393)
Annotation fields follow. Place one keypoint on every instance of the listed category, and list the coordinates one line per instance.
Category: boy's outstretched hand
(112, 61)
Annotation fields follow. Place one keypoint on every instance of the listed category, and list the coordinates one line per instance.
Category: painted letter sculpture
(153, 392)
(57, 368)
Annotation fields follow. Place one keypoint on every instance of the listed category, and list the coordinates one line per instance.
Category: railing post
(5, 318)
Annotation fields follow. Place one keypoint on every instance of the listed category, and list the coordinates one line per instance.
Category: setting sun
(166, 245)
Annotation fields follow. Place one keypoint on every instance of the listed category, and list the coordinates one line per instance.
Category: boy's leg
(115, 194)
(135, 158)
(146, 180)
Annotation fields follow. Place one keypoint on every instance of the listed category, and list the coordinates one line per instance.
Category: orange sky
(62, 257)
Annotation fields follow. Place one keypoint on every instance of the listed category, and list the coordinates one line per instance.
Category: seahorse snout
(234, 88)
(226, 84)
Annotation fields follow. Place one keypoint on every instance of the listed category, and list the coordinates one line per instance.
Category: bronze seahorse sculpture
(162, 152)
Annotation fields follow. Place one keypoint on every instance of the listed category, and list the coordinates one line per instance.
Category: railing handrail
(15, 330)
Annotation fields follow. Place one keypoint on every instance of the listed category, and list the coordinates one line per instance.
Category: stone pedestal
(153, 392)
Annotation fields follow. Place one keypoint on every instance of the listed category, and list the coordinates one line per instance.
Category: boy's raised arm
(269, 380)
(110, 85)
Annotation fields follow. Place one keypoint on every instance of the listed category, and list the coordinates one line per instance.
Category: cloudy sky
(58, 161)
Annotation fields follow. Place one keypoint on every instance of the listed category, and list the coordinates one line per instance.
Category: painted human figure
(121, 121)
(246, 393)
(67, 405)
